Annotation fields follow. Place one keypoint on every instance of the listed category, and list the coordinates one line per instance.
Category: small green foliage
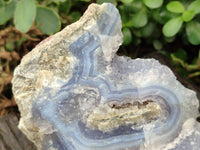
(171, 15)
(136, 6)
(153, 3)
(6, 10)
(136, 41)
(47, 20)
(106, 1)
(195, 74)
(157, 45)
(75, 16)
(24, 15)
(186, 70)
(180, 54)
(126, 1)
(127, 36)
(64, 7)
(175, 7)
(172, 26)
(10, 45)
(135, 14)
(57, 1)
(195, 5)
(139, 19)
(193, 32)
(148, 30)
(20, 41)
(161, 16)
(188, 15)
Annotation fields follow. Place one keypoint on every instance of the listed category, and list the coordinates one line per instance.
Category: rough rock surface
(75, 93)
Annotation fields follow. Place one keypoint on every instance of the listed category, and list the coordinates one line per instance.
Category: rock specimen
(75, 93)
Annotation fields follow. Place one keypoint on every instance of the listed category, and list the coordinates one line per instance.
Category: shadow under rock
(11, 138)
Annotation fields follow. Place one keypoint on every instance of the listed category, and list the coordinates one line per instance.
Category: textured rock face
(75, 93)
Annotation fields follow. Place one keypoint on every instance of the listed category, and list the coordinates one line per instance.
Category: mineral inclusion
(75, 93)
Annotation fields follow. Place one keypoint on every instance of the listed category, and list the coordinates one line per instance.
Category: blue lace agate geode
(75, 93)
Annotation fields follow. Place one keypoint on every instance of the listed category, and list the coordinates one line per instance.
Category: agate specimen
(75, 93)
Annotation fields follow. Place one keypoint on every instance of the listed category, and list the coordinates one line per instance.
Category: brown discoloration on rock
(108, 117)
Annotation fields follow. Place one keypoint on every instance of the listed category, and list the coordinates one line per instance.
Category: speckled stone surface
(75, 93)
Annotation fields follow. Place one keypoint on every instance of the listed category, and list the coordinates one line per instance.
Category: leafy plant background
(170, 28)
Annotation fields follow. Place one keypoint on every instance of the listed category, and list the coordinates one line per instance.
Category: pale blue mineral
(75, 93)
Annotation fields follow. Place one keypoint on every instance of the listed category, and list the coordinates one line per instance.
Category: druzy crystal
(75, 93)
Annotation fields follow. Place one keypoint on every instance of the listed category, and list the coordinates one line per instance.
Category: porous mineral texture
(75, 93)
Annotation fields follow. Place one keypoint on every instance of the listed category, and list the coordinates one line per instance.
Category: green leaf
(47, 20)
(153, 3)
(65, 7)
(136, 5)
(157, 45)
(172, 26)
(86, 0)
(193, 32)
(24, 15)
(136, 41)
(74, 16)
(6, 11)
(137, 32)
(2, 3)
(57, 1)
(21, 41)
(126, 12)
(139, 19)
(195, 5)
(162, 15)
(47, 2)
(127, 36)
(126, 1)
(10, 45)
(169, 39)
(175, 7)
(124, 17)
(148, 30)
(181, 54)
(188, 15)
(106, 1)
(183, 72)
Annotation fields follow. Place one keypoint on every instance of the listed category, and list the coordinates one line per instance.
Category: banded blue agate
(75, 93)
